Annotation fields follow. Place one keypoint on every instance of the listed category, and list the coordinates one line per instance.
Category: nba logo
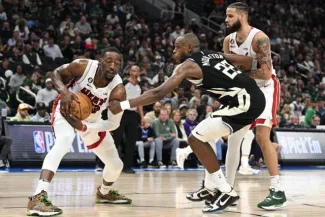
(39, 141)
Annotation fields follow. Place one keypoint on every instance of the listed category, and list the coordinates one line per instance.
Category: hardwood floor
(162, 193)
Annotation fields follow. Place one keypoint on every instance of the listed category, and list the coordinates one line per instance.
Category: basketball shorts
(271, 91)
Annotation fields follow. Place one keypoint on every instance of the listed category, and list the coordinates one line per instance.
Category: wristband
(125, 105)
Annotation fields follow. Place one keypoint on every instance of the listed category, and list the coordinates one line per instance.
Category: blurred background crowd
(38, 36)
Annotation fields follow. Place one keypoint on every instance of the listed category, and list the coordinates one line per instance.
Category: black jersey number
(227, 69)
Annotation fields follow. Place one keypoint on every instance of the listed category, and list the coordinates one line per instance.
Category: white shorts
(211, 129)
(271, 91)
(92, 139)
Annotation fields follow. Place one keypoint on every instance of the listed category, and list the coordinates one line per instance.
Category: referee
(130, 121)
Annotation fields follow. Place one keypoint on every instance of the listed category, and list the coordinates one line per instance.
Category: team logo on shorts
(39, 142)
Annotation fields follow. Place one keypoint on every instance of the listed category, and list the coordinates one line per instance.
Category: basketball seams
(89, 104)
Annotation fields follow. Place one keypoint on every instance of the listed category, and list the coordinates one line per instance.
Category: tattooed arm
(262, 47)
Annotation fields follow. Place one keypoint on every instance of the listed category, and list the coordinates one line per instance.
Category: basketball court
(162, 193)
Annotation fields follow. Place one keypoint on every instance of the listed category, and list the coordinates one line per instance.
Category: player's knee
(64, 141)
(118, 165)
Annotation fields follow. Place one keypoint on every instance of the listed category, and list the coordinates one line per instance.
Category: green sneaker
(275, 200)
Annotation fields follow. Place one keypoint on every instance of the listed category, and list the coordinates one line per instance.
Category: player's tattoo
(264, 59)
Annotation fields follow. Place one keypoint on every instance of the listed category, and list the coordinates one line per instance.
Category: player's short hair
(192, 39)
(240, 6)
(110, 49)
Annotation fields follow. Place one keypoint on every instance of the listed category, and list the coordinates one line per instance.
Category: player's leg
(39, 203)
(233, 154)
(108, 154)
(208, 130)
(203, 193)
(182, 154)
(276, 199)
(245, 168)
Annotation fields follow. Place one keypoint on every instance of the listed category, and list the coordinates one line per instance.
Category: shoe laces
(115, 192)
(46, 201)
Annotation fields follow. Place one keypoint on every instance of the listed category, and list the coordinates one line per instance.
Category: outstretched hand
(115, 107)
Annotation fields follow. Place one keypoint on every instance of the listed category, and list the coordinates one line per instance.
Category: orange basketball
(84, 108)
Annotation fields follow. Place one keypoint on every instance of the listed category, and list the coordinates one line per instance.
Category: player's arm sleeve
(112, 123)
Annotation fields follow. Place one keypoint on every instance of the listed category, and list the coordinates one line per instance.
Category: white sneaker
(248, 170)
(181, 156)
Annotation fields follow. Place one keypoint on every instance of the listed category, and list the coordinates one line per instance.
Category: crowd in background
(38, 36)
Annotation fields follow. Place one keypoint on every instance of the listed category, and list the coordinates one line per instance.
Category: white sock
(188, 150)
(244, 161)
(104, 189)
(43, 185)
(217, 180)
(275, 183)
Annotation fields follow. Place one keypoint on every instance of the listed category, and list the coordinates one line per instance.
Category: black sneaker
(201, 194)
(221, 201)
(208, 202)
(143, 164)
(128, 170)
(173, 163)
(160, 164)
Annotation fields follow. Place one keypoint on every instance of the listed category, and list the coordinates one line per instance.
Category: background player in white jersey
(100, 82)
(249, 41)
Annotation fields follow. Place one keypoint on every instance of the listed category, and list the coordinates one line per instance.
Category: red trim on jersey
(96, 144)
(276, 99)
(275, 104)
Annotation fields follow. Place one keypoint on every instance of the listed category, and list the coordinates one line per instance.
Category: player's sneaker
(181, 156)
(208, 202)
(221, 201)
(248, 170)
(275, 200)
(201, 194)
(113, 196)
(40, 205)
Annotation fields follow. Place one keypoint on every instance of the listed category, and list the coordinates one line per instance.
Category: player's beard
(235, 27)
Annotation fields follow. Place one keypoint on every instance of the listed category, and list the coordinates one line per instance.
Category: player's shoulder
(260, 34)
(79, 64)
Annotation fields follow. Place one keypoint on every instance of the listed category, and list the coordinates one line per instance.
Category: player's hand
(66, 102)
(74, 122)
(115, 107)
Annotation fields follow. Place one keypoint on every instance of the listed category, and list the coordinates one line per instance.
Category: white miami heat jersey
(98, 96)
(246, 47)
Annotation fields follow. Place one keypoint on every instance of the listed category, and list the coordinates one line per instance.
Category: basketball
(84, 108)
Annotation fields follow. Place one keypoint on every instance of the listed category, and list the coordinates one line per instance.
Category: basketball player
(249, 41)
(100, 82)
(242, 103)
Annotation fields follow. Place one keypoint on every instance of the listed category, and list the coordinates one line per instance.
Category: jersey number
(227, 69)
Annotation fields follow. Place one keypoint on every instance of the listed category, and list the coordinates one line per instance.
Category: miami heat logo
(96, 101)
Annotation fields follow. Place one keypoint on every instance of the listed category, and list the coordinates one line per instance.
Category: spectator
(190, 122)
(52, 50)
(180, 130)
(13, 40)
(183, 110)
(47, 94)
(112, 19)
(154, 114)
(3, 14)
(315, 121)
(310, 112)
(16, 79)
(30, 57)
(41, 114)
(22, 113)
(294, 122)
(296, 106)
(145, 139)
(83, 26)
(165, 137)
